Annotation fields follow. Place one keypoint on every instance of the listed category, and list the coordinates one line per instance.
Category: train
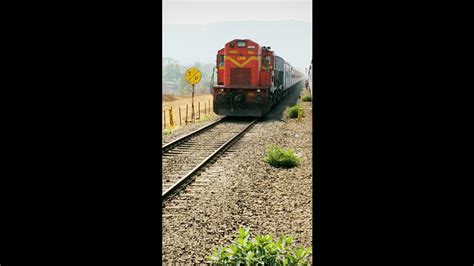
(251, 79)
(310, 79)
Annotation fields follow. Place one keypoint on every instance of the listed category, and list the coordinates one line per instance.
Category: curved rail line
(183, 180)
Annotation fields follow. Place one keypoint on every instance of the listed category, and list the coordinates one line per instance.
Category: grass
(281, 158)
(292, 112)
(306, 98)
(167, 131)
(207, 117)
(261, 250)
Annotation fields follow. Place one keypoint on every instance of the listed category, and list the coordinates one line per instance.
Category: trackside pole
(192, 106)
(186, 114)
(171, 117)
(193, 76)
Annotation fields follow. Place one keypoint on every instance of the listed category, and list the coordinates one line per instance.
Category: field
(179, 103)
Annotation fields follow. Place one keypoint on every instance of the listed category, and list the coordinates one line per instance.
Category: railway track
(184, 157)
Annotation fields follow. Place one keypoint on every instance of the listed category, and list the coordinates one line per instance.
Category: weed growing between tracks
(261, 249)
(306, 98)
(280, 157)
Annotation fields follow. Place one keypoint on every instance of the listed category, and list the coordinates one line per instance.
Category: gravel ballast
(240, 189)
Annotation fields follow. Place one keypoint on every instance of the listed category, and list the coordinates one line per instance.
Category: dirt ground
(179, 103)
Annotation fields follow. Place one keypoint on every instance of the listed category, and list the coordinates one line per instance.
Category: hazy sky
(202, 12)
(208, 11)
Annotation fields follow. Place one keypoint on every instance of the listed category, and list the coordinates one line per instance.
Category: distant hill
(290, 39)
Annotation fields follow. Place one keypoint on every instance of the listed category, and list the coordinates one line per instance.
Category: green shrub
(261, 250)
(279, 157)
(292, 112)
(167, 131)
(306, 98)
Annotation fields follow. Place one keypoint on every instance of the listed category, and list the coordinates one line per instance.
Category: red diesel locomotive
(251, 79)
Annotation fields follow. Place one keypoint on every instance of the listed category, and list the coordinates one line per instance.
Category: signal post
(193, 76)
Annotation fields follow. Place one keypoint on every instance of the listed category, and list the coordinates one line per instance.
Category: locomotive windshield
(240, 44)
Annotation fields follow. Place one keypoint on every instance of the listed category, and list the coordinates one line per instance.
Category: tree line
(174, 72)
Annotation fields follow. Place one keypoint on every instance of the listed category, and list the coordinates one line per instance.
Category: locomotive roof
(247, 40)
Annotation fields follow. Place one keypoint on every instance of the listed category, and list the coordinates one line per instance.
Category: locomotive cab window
(266, 61)
(240, 44)
(221, 60)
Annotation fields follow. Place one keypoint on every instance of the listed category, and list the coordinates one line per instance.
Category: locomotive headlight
(258, 90)
(222, 90)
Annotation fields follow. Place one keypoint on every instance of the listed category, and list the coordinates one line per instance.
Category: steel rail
(170, 191)
(176, 142)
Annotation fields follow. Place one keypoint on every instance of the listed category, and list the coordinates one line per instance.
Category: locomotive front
(244, 79)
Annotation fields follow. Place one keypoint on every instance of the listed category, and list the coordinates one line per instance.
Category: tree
(198, 65)
(183, 87)
(171, 72)
(174, 72)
